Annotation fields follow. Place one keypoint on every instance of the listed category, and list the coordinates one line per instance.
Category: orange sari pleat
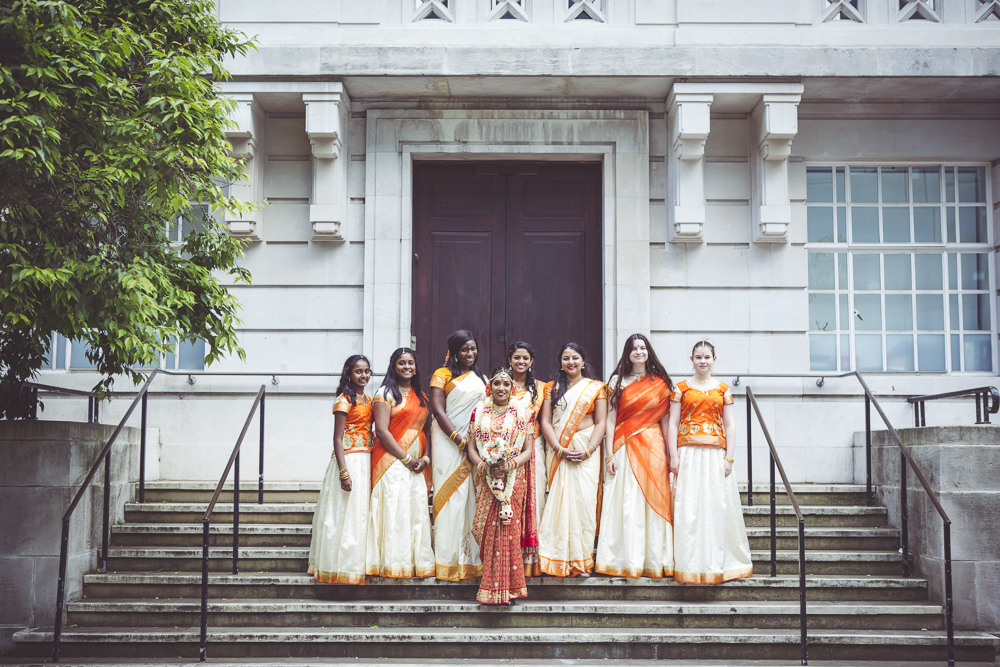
(406, 423)
(643, 404)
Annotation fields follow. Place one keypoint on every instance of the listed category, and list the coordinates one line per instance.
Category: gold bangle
(407, 459)
(426, 459)
(463, 444)
(453, 434)
(726, 458)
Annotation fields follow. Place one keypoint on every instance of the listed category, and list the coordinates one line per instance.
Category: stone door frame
(395, 139)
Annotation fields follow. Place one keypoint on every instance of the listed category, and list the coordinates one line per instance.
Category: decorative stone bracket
(688, 123)
(327, 118)
(774, 124)
(246, 137)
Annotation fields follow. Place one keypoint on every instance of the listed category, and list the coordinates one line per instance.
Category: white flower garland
(498, 446)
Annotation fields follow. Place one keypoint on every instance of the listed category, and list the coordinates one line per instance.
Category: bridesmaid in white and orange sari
(636, 531)
(710, 538)
(530, 392)
(455, 389)
(399, 527)
(573, 418)
(340, 522)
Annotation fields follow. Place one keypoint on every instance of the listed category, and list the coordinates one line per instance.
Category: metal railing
(104, 456)
(142, 399)
(776, 462)
(92, 403)
(234, 465)
(987, 403)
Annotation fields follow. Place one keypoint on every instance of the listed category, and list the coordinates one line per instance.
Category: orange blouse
(701, 415)
(358, 436)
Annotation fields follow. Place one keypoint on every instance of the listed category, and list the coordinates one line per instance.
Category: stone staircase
(148, 604)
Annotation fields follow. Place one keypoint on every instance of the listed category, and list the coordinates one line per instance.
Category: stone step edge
(287, 508)
(306, 529)
(290, 579)
(249, 486)
(525, 607)
(300, 553)
(534, 636)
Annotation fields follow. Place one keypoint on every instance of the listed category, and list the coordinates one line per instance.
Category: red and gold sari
(535, 470)
(636, 531)
(399, 527)
(504, 542)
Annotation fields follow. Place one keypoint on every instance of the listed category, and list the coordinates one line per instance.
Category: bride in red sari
(501, 443)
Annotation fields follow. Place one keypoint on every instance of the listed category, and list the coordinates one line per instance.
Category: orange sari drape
(637, 427)
(406, 423)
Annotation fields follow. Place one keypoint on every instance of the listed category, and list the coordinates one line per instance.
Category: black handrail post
(774, 529)
(868, 451)
(982, 395)
(749, 454)
(986, 406)
(106, 532)
(91, 412)
(949, 612)
(60, 589)
(802, 591)
(34, 406)
(923, 413)
(236, 514)
(142, 452)
(905, 528)
(97, 410)
(260, 473)
(202, 651)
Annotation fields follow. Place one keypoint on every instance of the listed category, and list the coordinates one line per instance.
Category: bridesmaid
(636, 535)
(399, 527)
(340, 524)
(710, 538)
(455, 389)
(530, 392)
(573, 418)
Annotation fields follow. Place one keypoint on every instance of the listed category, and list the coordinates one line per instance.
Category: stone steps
(148, 604)
(307, 492)
(277, 535)
(492, 643)
(526, 614)
(816, 516)
(296, 559)
(300, 586)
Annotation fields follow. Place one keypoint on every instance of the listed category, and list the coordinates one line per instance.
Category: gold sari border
(450, 486)
(458, 572)
(713, 577)
(702, 440)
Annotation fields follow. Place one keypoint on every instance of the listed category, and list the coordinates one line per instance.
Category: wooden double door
(511, 251)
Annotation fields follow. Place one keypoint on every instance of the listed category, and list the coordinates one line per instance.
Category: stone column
(247, 138)
(688, 126)
(44, 464)
(774, 123)
(326, 122)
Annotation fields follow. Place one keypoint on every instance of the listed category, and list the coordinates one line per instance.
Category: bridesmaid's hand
(729, 468)
(345, 484)
(612, 468)
(574, 455)
(420, 465)
(675, 465)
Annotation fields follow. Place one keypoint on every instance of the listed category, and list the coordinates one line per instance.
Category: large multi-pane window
(899, 268)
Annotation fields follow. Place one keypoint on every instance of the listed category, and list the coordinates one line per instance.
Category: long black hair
(455, 343)
(562, 382)
(624, 367)
(346, 387)
(529, 377)
(391, 382)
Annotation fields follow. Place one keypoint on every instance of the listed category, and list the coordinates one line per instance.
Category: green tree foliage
(111, 125)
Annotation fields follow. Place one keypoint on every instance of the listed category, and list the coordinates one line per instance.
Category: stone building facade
(808, 183)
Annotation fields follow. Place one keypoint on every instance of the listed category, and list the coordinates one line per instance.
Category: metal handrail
(234, 465)
(907, 460)
(987, 403)
(776, 461)
(92, 403)
(105, 455)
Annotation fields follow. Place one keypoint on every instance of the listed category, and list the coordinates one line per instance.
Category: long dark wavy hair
(391, 382)
(529, 377)
(346, 387)
(455, 343)
(561, 381)
(624, 367)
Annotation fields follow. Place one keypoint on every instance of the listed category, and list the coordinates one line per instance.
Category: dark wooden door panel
(512, 253)
(554, 239)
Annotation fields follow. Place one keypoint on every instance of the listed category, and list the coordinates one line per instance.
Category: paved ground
(301, 662)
